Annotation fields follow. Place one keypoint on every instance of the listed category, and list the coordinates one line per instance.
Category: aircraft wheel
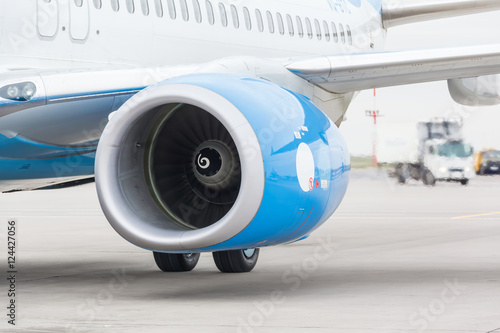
(400, 173)
(236, 261)
(176, 262)
(428, 178)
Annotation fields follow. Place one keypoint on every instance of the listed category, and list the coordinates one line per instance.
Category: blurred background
(412, 103)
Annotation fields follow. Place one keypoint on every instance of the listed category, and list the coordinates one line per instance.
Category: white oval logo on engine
(305, 167)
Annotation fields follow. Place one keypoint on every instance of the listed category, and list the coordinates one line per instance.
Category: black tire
(400, 173)
(236, 261)
(464, 182)
(428, 178)
(482, 170)
(176, 262)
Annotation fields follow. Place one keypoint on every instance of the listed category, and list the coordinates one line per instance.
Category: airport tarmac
(392, 259)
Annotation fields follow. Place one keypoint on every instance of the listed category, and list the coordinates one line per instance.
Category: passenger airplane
(212, 126)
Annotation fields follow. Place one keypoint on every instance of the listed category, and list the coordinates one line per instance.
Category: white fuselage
(62, 34)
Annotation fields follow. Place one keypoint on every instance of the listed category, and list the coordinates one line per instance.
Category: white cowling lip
(116, 208)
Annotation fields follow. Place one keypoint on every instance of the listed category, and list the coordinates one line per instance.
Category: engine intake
(191, 157)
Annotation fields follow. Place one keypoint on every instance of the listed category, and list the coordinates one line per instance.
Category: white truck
(429, 151)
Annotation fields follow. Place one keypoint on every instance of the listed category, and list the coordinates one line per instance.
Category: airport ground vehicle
(487, 161)
(431, 151)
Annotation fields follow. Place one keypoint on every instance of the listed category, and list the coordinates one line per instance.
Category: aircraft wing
(344, 73)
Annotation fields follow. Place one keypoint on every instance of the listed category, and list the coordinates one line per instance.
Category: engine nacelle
(476, 91)
(215, 162)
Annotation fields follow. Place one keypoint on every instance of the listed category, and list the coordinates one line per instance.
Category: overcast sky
(412, 103)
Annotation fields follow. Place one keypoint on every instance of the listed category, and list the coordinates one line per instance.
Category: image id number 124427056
(11, 272)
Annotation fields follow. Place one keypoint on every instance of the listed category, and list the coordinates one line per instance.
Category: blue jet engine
(215, 162)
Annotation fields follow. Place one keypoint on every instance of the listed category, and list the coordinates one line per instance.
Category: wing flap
(345, 73)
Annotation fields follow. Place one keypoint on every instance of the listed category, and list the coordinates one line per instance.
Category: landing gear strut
(236, 261)
(175, 262)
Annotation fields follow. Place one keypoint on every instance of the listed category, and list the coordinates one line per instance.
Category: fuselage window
(318, 29)
(78, 3)
(289, 22)
(115, 5)
(335, 35)
(248, 20)
(349, 34)
(281, 26)
(234, 14)
(327, 30)
(309, 28)
(260, 22)
(130, 6)
(171, 9)
(98, 4)
(145, 7)
(223, 14)
(300, 28)
(184, 10)
(158, 8)
(197, 11)
(270, 21)
(210, 12)
(342, 34)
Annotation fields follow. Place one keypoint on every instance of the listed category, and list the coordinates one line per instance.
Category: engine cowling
(476, 91)
(215, 162)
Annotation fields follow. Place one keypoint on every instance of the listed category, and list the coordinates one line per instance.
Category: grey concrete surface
(392, 259)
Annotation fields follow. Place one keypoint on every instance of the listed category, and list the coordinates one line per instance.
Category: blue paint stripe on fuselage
(22, 148)
(96, 94)
(58, 167)
(22, 158)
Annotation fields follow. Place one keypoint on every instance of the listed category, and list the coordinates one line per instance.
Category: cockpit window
(455, 149)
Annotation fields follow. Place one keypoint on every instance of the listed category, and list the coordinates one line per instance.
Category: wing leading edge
(345, 73)
(397, 12)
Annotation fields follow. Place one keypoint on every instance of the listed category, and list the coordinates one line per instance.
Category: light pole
(374, 113)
